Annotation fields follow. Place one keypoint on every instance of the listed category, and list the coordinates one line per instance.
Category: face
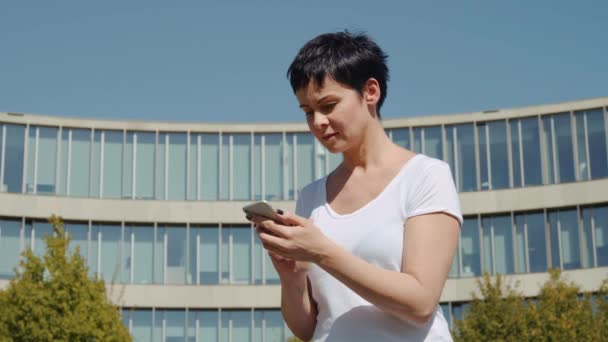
(337, 115)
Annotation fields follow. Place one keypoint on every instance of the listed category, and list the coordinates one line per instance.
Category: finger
(276, 256)
(291, 218)
(273, 243)
(277, 229)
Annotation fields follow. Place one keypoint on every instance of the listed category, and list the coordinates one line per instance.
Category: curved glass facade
(214, 167)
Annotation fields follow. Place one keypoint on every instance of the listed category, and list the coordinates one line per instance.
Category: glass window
(14, 157)
(210, 167)
(454, 270)
(483, 156)
(401, 137)
(306, 158)
(157, 332)
(581, 141)
(112, 164)
(486, 228)
(41, 229)
(503, 244)
(10, 242)
(257, 167)
(269, 324)
(128, 172)
(175, 237)
(600, 222)
(520, 243)
(289, 163)
(96, 164)
(564, 153)
(208, 241)
(445, 310)
(236, 326)
(469, 242)
(225, 167)
(2, 184)
(161, 164)
(144, 165)
(554, 231)
(548, 150)
(272, 277)
(47, 151)
(241, 165)
(110, 252)
(433, 145)
(273, 166)
(63, 161)
(159, 255)
(78, 233)
(499, 154)
(321, 160)
(177, 166)
(80, 162)
(418, 139)
(569, 238)
(194, 163)
(175, 324)
(530, 142)
(597, 144)
(515, 153)
(31, 159)
(537, 245)
(143, 253)
(465, 150)
(207, 324)
(450, 153)
(587, 238)
(236, 253)
(258, 261)
(141, 325)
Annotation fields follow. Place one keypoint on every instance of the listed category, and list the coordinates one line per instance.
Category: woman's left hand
(298, 239)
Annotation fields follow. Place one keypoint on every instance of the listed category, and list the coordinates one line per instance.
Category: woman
(366, 255)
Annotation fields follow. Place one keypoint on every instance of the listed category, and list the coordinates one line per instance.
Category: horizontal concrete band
(212, 212)
(269, 296)
(427, 120)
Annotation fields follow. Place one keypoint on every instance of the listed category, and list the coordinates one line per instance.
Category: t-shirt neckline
(334, 214)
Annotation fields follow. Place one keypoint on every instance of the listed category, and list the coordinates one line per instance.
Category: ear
(371, 95)
(371, 91)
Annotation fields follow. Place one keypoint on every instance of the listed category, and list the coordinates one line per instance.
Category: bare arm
(429, 245)
(299, 310)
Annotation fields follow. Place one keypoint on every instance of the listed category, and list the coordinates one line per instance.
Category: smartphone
(261, 208)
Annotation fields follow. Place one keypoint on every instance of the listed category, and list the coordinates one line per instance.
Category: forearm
(398, 294)
(298, 310)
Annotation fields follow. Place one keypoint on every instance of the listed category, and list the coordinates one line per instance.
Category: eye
(327, 108)
(309, 113)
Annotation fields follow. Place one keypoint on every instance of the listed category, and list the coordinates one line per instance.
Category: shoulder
(423, 162)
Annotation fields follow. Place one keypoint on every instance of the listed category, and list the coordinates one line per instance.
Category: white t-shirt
(375, 234)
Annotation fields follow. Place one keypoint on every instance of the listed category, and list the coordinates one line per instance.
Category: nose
(320, 121)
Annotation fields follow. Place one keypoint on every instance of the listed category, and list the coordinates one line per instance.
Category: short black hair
(349, 59)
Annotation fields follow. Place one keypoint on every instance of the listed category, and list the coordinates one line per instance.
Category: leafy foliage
(495, 316)
(559, 313)
(52, 298)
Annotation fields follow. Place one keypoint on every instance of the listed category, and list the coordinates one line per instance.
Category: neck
(373, 149)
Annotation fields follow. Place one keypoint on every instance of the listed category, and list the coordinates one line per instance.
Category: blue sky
(225, 61)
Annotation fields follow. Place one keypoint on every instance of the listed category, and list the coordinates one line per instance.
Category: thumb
(291, 218)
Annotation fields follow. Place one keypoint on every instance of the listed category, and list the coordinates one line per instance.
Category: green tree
(562, 314)
(601, 304)
(53, 299)
(498, 315)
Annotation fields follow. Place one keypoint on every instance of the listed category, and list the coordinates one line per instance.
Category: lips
(329, 136)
